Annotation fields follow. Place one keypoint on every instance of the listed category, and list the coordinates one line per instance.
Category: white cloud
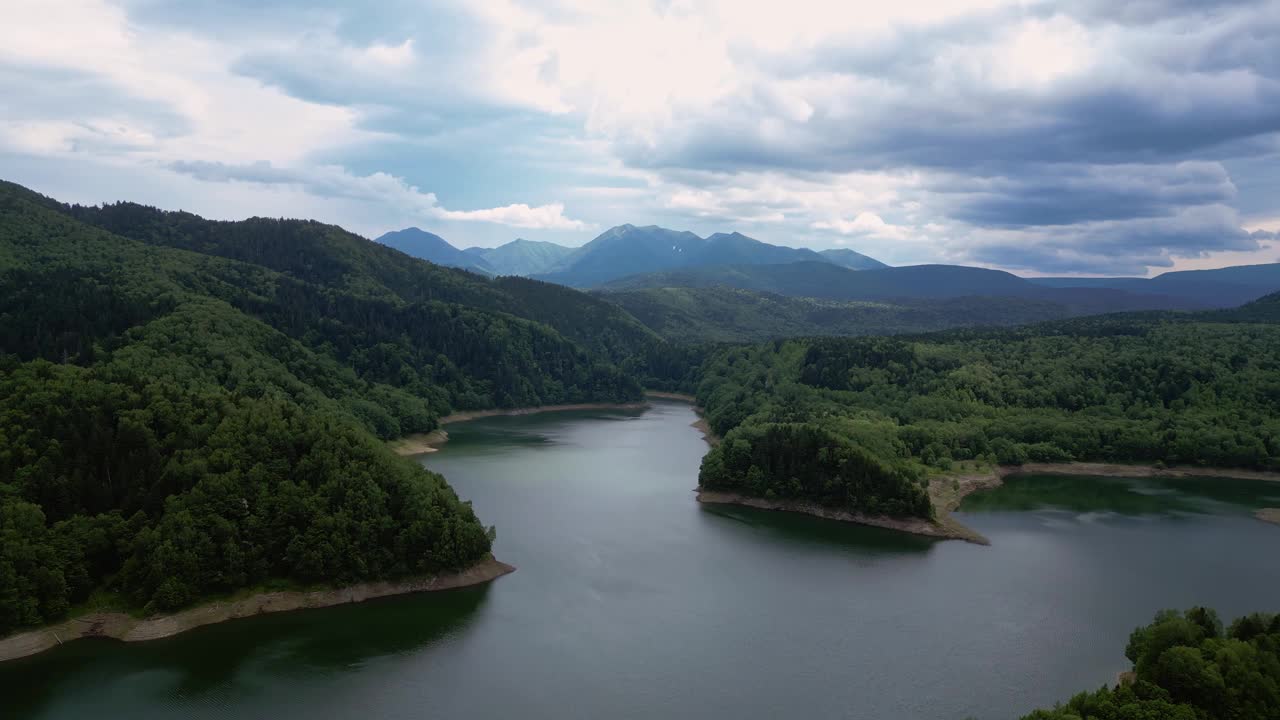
(379, 189)
(917, 129)
(545, 217)
(865, 223)
(389, 56)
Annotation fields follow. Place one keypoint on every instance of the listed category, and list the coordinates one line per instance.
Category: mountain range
(1194, 290)
(729, 286)
(618, 252)
(521, 257)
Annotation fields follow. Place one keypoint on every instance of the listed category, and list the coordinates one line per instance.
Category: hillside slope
(433, 248)
(160, 444)
(915, 282)
(722, 314)
(193, 407)
(851, 259)
(628, 250)
(1220, 287)
(522, 257)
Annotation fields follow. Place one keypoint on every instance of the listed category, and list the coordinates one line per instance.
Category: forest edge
(125, 627)
(946, 492)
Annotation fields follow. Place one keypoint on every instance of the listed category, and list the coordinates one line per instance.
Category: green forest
(1187, 667)
(192, 407)
(726, 314)
(862, 423)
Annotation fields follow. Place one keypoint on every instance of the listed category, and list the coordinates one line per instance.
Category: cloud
(336, 182)
(1030, 135)
(1062, 194)
(1118, 246)
(864, 224)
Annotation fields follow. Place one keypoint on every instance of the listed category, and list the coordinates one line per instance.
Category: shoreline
(534, 410)
(946, 492)
(914, 526)
(429, 442)
(418, 443)
(700, 424)
(664, 395)
(126, 628)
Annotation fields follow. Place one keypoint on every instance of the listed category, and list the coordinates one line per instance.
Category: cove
(634, 601)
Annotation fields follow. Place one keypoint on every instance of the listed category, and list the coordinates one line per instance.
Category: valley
(210, 420)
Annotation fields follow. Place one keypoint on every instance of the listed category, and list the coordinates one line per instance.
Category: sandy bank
(130, 629)
(477, 414)
(700, 424)
(947, 492)
(1135, 471)
(418, 443)
(662, 394)
(915, 526)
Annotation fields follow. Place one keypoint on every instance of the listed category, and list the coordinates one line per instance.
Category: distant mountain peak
(627, 250)
(523, 257)
(431, 247)
(852, 259)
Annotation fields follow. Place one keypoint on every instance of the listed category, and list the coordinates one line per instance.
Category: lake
(633, 601)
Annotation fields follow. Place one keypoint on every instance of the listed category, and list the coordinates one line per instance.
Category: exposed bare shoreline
(701, 423)
(420, 443)
(131, 629)
(915, 526)
(947, 492)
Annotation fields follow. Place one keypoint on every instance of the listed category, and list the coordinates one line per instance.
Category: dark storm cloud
(1066, 194)
(1118, 247)
(1057, 136)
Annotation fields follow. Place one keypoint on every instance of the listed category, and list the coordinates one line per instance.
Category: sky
(1087, 137)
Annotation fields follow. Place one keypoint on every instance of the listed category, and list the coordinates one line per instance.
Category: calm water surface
(632, 601)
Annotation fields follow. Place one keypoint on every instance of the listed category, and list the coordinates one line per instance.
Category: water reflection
(205, 662)
(785, 528)
(1125, 496)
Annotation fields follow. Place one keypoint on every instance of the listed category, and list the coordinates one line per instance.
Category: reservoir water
(633, 601)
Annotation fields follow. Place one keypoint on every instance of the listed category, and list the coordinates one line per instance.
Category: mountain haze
(627, 250)
(938, 282)
(1220, 287)
(851, 259)
(433, 248)
(522, 257)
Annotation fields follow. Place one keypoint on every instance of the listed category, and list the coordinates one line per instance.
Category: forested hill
(333, 258)
(1187, 666)
(726, 314)
(193, 407)
(1195, 389)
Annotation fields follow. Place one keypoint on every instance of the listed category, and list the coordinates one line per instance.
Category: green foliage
(724, 314)
(801, 461)
(1124, 388)
(191, 407)
(1186, 668)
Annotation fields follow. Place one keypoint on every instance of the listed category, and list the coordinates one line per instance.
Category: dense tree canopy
(191, 407)
(1185, 667)
(1175, 389)
(726, 314)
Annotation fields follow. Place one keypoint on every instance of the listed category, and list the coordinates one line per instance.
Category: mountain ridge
(522, 257)
(431, 247)
(620, 251)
